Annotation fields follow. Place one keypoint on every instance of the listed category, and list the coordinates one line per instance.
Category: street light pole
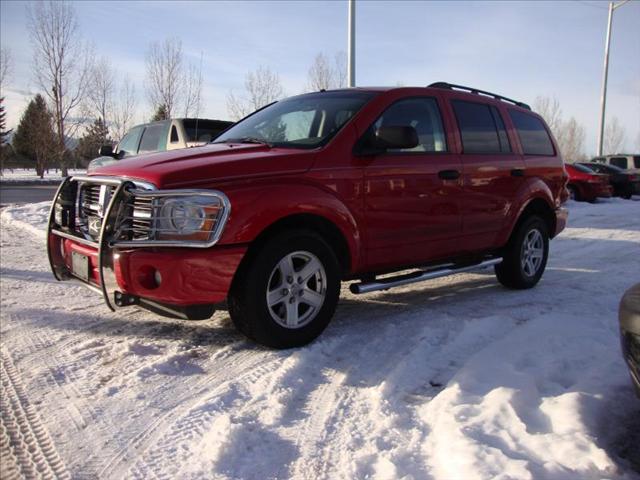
(605, 73)
(351, 47)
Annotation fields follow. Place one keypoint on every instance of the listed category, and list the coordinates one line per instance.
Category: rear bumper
(562, 216)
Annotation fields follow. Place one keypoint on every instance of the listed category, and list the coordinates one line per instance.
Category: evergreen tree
(161, 114)
(96, 136)
(4, 134)
(35, 138)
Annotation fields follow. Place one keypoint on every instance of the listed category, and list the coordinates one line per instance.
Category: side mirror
(106, 151)
(395, 137)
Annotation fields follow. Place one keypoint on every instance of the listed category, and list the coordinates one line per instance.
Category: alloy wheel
(296, 289)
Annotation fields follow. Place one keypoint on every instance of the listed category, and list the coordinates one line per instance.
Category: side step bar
(420, 276)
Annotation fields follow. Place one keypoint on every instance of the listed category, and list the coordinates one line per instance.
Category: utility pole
(351, 47)
(605, 74)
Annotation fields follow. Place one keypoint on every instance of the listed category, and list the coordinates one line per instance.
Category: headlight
(194, 217)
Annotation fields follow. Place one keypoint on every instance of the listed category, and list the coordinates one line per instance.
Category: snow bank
(29, 175)
(32, 217)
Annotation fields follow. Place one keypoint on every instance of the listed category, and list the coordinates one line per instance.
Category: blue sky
(518, 49)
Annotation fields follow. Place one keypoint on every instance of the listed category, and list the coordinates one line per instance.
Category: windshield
(305, 121)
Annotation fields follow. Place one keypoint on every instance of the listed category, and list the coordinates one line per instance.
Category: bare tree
(614, 137)
(192, 91)
(549, 109)
(262, 87)
(124, 110)
(61, 65)
(165, 74)
(323, 75)
(102, 84)
(6, 67)
(571, 141)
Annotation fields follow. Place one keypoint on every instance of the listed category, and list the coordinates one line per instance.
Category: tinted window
(129, 144)
(505, 146)
(421, 114)
(154, 138)
(477, 127)
(636, 161)
(174, 134)
(619, 162)
(204, 130)
(533, 136)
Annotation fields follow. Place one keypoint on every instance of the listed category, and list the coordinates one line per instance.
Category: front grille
(93, 200)
(142, 218)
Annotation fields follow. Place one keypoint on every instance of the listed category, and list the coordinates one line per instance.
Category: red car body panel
(393, 210)
(589, 186)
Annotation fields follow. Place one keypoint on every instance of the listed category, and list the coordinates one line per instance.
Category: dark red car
(312, 190)
(586, 185)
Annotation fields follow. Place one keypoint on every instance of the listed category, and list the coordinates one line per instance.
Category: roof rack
(451, 86)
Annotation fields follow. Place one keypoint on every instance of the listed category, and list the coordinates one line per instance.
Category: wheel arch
(537, 205)
(312, 222)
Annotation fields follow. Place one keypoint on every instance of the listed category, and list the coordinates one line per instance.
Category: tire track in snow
(26, 449)
(146, 462)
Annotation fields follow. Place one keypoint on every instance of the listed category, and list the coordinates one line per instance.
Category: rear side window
(421, 113)
(533, 136)
(174, 134)
(636, 161)
(481, 128)
(154, 138)
(619, 162)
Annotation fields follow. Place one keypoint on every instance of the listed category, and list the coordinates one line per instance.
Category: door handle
(449, 174)
(517, 172)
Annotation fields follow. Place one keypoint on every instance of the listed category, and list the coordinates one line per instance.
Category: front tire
(526, 255)
(287, 293)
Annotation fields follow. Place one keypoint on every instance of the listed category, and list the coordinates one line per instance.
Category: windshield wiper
(257, 141)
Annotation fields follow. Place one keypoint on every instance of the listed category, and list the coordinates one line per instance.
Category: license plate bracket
(80, 265)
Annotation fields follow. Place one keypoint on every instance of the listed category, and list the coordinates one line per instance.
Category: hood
(221, 162)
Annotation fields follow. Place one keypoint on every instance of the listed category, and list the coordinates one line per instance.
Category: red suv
(312, 190)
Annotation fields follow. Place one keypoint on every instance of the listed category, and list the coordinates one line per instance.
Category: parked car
(160, 136)
(312, 190)
(586, 185)
(629, 316)
(625, 183)
(622, 160)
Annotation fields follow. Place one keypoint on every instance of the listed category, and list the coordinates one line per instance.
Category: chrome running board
(419, 276)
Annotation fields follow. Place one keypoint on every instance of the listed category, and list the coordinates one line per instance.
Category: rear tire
(526, 255)
(270, 301)
(573, 193)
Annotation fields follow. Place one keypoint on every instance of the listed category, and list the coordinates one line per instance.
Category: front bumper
(160, 277)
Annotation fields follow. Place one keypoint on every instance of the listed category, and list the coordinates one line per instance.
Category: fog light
(149, 277)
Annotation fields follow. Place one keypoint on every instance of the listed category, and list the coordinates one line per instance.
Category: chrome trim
(52, 213)
(83, 241)
(105, 253)
(385, 284)
(115, 181)
(217, 231)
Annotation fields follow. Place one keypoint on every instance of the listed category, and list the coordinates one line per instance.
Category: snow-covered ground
(456, 378)
(24, 175)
